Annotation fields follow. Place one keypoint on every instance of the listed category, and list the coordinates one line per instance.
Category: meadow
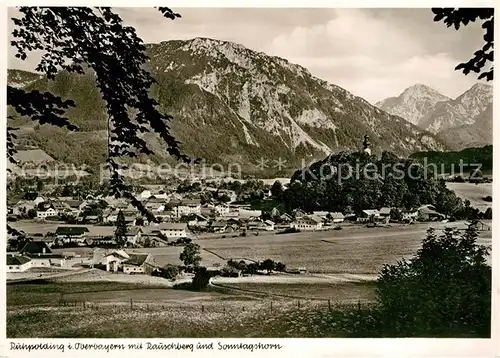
(323, 303)
(354, 250)
(474, 193)
(86, 310)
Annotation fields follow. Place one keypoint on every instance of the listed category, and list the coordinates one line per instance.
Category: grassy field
(474, 193)
(346, 292)
(51, 293)
(50, 309)
(258, 319)
(242, 309)
(358, 249)
(37, 310)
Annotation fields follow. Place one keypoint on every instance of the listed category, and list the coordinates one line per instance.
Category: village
(58, 228)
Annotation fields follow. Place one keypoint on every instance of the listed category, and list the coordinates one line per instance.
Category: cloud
(350, 32)
(370, 56)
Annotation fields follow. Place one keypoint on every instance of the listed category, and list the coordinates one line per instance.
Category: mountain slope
(413, 103)
(460, 111)
(234, 105)
(461, 122)
(477, 134)
(20, 78)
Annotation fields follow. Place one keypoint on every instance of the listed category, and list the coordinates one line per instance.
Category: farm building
(479, 225)
(41, 255)
(35, 248)
(429, 213)
(46, 213)
(218, 226)
(72, 234)
(385, 212)
(154, 240)
(47, 260)
(298, 213)
(321, 214)
(336, 217)
(366, 215)
(286, 218)
(133, 235)
(308, 222)
(173, 230)
(114, 260)
(198, 221)
(138, 263)
(266, 225)
(18, 263)
(129, 262)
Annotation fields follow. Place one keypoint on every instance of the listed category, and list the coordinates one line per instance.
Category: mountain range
(230, 105)
(462, 122)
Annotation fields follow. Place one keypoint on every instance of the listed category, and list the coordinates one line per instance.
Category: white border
(291, 347)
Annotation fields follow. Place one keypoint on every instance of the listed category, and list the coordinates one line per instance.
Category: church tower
(366, 145)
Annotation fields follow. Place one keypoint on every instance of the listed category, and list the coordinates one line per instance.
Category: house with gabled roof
(286, 218)
(35, 248)
(138, 263)
(114, 260)
(41, 255)
(367, 214)
(218, 226)
(133, 235)
(321, 214)
(42, 214)
(186, 207)
(307, 223)
(428, 213)
(72, 233)
(173, 230)
(336, 217)
(18, 263)
(298, 213)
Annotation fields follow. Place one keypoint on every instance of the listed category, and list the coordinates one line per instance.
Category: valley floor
(342, 266)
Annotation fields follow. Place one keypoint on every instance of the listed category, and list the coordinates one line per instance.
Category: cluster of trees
(432, 294)
(352, 182)
(169, 272)
(253, 267)
(467, 212)
(449, 162)
(23, 185)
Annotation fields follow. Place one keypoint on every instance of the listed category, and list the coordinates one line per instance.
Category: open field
(474, 193)
(260, 318)
(52, 292)
(339, 263)
(344, 292)
(355, 250)
(37, 310)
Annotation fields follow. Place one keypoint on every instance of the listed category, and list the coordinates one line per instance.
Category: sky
(373, 53)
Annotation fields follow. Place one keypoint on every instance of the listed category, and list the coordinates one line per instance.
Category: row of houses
(38, 254)
(423, 213)
(161, 208)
